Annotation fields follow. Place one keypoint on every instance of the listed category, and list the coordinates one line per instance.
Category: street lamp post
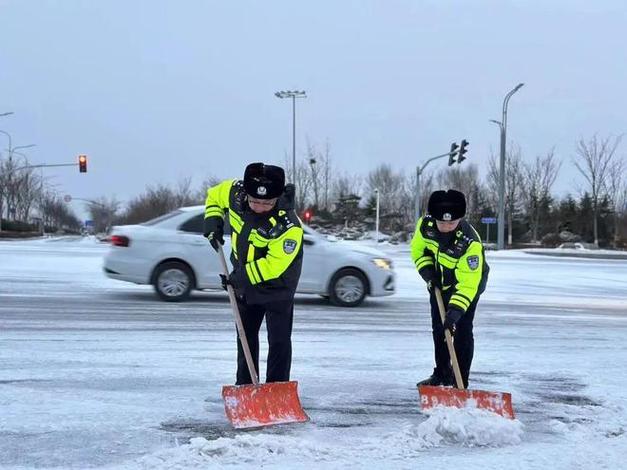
(292, 94)
(503, 125)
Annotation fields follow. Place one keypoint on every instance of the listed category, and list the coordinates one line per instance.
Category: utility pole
(503, 126)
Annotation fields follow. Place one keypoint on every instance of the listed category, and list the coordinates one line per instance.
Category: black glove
(214, 231)
(234, 280)
(225, 281)
(452, 317)
(431, 277)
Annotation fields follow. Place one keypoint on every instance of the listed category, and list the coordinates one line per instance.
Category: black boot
(438, 378)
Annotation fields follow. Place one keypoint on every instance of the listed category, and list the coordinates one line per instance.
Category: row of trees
(156, 200)
(28, 202)
(596, 210)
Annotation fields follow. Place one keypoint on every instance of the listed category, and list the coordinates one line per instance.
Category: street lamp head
(23, 147)
(290, 94)
(6, 114)
(519, 86)
(496, 122)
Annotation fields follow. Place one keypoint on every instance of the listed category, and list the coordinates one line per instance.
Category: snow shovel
(431, 396)
(257, 405)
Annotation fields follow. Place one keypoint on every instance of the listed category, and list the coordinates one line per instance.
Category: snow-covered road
(99, 373)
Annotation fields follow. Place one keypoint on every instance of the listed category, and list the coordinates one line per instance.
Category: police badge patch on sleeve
(289, 246)
(473, 262)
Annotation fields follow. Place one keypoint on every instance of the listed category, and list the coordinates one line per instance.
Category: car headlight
(383, 263)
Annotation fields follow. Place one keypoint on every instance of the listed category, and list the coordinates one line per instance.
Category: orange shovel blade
(497, 402)
(252, 406)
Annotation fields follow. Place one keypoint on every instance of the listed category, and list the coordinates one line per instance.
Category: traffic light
(82, 163)
(462, 151)
(452, 153)
(307, 215)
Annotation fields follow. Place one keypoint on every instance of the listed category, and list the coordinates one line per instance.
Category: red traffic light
(82, 163)
(307, 216)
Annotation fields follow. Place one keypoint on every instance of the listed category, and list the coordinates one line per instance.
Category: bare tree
(465, 179)
(617, 194)
(27, 192)
(201, 194)
(153, 202)
(56, 215)
(538, 179)
(345, 184)
(19, 188)
(303, 183)
(103, 212)
(327, 178)
(391, 186)
(313, 158)
(427, 186)
(513, 179)
(594, 160)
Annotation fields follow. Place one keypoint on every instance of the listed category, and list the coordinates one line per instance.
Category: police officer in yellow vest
(448, 253)
(266, 241)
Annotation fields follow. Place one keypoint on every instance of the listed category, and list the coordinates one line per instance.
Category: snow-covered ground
(98, 373)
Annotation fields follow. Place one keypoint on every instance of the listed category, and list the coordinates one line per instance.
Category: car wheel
(348, 288)
(173, 281)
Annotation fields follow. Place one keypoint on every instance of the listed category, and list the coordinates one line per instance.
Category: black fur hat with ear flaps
(264, 181)
(447, 205)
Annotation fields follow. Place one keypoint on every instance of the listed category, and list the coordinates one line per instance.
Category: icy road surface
(98, 373)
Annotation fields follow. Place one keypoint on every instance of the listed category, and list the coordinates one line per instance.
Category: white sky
(154, 91)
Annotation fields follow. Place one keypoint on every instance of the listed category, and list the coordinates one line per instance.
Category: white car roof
(191, 208)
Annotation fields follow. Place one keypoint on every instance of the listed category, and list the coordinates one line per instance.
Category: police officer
(266, 241)
(448, 254)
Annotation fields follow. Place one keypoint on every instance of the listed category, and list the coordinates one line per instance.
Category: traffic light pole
(43, 165)
(420, 170)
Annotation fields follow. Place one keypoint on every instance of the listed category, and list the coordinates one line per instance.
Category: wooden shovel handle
(449, 340)
(238, 320)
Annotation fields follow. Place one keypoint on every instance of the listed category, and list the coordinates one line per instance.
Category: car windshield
(161, 218)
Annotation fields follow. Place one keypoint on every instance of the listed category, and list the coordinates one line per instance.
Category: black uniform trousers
(464, 340)
(279, 319)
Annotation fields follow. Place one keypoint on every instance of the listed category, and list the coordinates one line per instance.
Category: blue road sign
(89, 223)
(488, 220)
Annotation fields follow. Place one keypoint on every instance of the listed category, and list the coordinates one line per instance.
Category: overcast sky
(153, 91)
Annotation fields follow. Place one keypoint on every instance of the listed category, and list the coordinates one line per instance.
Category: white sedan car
(171, 254)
